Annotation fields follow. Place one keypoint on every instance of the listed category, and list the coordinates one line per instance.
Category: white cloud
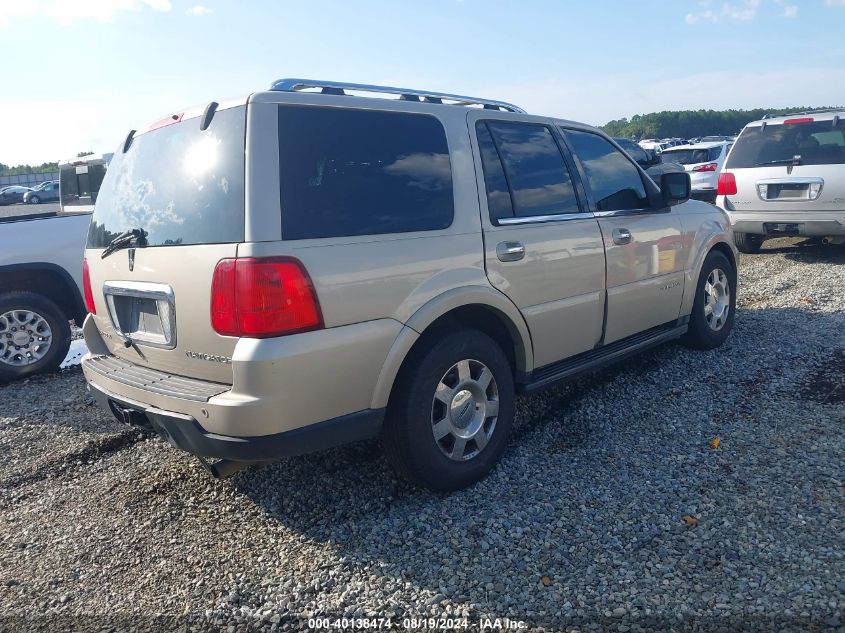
(702, 16)
(790, 11)
(68, 11)
(198, 10)
(747, 10)
(16, 9)
(836, 3)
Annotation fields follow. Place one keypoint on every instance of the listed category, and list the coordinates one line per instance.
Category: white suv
(703, 161)
(786, 176)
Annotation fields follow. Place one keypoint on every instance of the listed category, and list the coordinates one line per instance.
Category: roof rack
(820, 111)
(405, 94)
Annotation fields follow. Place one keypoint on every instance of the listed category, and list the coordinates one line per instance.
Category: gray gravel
(580, 527)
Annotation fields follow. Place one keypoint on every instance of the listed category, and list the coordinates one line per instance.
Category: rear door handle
(621, 236)
(510, 251)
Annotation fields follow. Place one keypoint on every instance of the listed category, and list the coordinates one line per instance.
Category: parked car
(12, 194)
(703, 161)
(45, 192)
(786, 176)
(654, 146)
(380, 267)
(652, 162)
(40, 291)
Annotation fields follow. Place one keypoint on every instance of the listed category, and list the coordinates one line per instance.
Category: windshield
(691, 156)
(178, 183)
(817, 143)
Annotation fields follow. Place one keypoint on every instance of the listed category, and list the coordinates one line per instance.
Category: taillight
(87, 293)
(707, 167)
(264, 297)
(726, 186)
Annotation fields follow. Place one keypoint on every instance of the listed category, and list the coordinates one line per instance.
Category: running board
(597, 358)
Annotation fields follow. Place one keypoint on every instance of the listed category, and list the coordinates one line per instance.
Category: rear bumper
(186, 433)
(810, 224)
(703, 183)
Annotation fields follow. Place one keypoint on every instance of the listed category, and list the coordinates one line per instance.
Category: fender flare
(441, 305)
(713, 240)
(79, 310)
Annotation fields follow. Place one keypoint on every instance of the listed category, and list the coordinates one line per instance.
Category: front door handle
(621, 236)
(510, 251)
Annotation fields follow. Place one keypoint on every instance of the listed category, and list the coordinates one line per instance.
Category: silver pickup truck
(40, 290)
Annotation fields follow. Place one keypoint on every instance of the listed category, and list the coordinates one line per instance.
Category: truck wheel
(748, 242)
(34, 335)
(451, 411)
(713, 310)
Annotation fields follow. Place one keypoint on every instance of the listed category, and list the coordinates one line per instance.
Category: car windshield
(815, 142)
(691, 156)
(180, 184)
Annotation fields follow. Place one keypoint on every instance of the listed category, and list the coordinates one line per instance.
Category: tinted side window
(715, 152)
(361, 172)
(613, 179)
(539, 180)
(499, 202)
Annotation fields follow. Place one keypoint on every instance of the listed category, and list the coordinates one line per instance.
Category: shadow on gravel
(599, 472)
(806, 251)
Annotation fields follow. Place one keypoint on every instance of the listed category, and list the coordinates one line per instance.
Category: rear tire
(34, 199)
(30, 312)
(748, 243)
(440, 431)
(714, 307)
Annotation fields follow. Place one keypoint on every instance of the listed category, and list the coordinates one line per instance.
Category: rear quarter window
(347, 172)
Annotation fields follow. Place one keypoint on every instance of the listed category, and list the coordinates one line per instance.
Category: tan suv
(312, 265)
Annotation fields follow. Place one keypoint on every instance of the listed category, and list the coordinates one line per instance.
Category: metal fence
(28, 180)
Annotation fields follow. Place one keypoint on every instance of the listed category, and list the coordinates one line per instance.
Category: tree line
(692, 123)
(43, 168)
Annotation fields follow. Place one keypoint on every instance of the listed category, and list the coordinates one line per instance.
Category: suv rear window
(180, 184)
(817, 143)
(350, 172)
(692, 156)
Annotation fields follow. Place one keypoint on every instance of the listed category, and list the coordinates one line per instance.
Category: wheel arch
(49, 280)
(716, 243)
(479, 308)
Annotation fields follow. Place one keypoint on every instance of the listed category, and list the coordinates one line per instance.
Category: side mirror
(675, 187)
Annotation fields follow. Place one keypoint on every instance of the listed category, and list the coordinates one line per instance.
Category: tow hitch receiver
(130, 417)
(223, 468)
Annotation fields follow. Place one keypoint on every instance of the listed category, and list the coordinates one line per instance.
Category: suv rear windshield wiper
(127, 239)
(795, 160)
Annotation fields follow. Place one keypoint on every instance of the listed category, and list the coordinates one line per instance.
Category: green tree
(691, 123)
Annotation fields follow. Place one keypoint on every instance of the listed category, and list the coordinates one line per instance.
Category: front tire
(714, 307)
(749, 243)
(451, 411)
(34, 335)
(34, 200)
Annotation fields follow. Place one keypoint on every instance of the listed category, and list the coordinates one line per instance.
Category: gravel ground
(581, 527)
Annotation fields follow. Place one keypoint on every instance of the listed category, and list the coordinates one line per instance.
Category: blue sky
(78, 74)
